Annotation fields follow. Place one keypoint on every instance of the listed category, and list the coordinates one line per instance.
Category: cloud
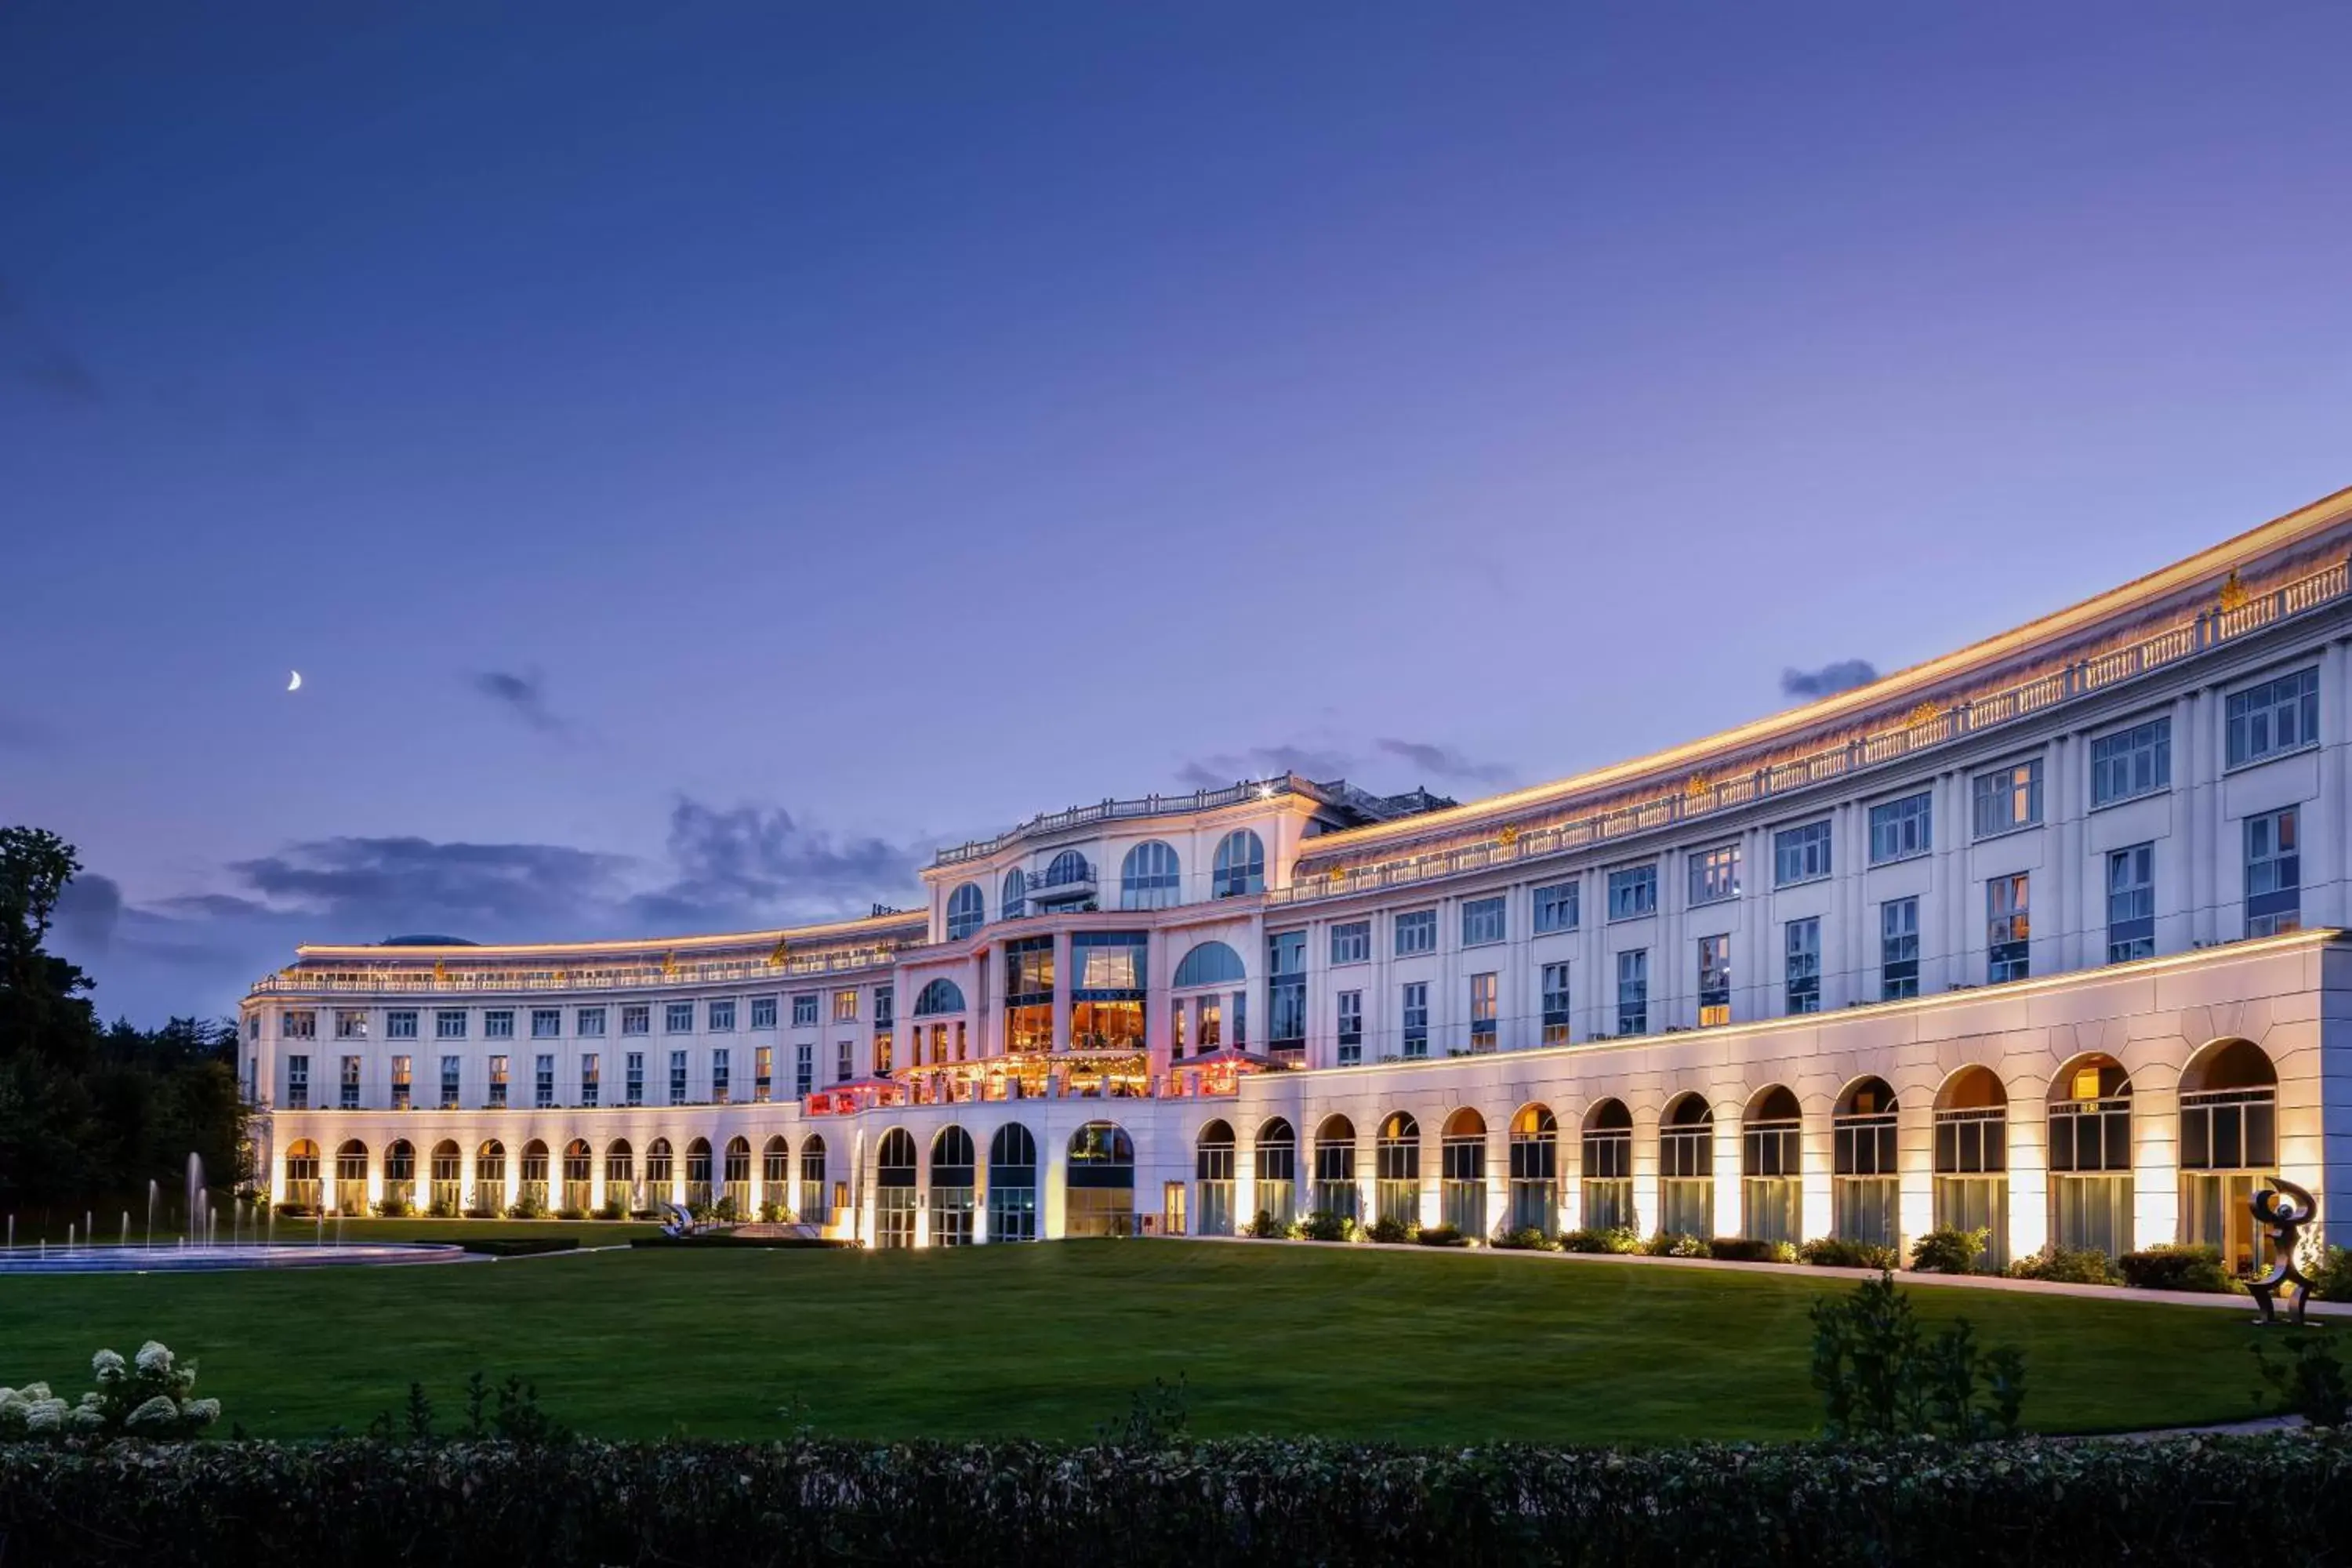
(752, 865)
(87, 910)
(1840, 675)
(1444, 762)
(523, 697)
(1326, 762)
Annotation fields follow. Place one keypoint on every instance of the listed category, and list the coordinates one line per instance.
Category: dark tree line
(88, 1115)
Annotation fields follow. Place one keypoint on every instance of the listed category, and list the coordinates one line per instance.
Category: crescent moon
(295, 684)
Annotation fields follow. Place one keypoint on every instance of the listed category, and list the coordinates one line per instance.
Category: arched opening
(1276, 1169)
(1534, 1169)
(1605, 1150)
(302, 1183)
(1686, 1168)
(399, 1178)
(1865, 1192)
(1201, 1021)
(1396, 1170)
(1771, 1165)
(1972, 1161)
(660, 1174)
(1462, 1172)
(1336, 1192)
(1012, 1184)
(351, 1178)
(895, 1176)
(818, 1199)
(1014, 903)
(2229, 1147)
(579, 1178)
(620, 1179)
(1148, 877)
(1212, 1179)
(2091, 1194)
(953, 1164)
(967, 911)
(532, 1198)
(446, 1193)
(776, 1179)
(1240, 866)
(698, 1175)
(1069, 870)
(735, 1172)
(937, 997)
(1101, 1183)
(489, 1181)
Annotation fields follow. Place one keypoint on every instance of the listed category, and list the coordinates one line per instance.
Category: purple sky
(700, 456)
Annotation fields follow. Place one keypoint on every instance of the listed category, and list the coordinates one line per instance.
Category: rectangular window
(1632, 892)
(588, 1022)
(1713, 874)
(2008, 798)
(1484, 994)
(498, 1083)
(542, 1082)
(2274, 872)
(804, 1011)
(401, 1083)
(677, 1077)
(2131, 903)
(1416, 1019)
(844, 1066)
(1634, 992)
(1481, 921)
(298, 1083)
(1416, 933)
(351, 1084)
(1556, 908)
(723, 1072)
(1352, 942)
(298, 1026)
(546, 1023)
(1802, 969)
(1713, 980)
(2007, 927)
(400, 1024)
(450, 1024)
(886, 1004)
(591, 1078)
(844, 1006)
(1900, 829)
(884, 1039)
(1801, 854)
(1351, 1028)
(2274, 718)
(677, 1018)
(804, 1065)
(2132, 762)
(763, 1072)
(1898, 948)
(253, 1026)
(763, 1011)
(1285, 986)
(498, 1024)
(720, 1017)
(1555, 1004)
(637, 1019)
(450, 1067)
(633, 1083)
(350, 1024)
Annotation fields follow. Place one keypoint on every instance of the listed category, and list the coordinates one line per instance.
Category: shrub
(297, 1211)
(1836, 1252)
(1605, 1238)
(2062, 1266)
(614, 1209)
(1526, 1238)
(1948, 1251)
(723, 1211)
(394, 1206)
(530, 1206)
(146, 1396)
(1747, 1249)
(1324, 1226)
(1389, 1230)
(1674, 1244)
(444, 1208)
(1441, 1236)
(1880, 1378)
(2309, 1381)
(479, 1213)
(571, 1213)
(1263, 1224)
(771, 1213)
(2175, 1269)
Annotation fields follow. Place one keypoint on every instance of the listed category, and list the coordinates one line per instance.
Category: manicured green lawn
(1051, 1340)
(590, 1232)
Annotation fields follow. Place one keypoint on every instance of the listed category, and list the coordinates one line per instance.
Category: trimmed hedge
(724, 1238)
(515, 1245)
(2177, 1502)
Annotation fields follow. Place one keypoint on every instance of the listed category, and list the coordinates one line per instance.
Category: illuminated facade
(2040, 937)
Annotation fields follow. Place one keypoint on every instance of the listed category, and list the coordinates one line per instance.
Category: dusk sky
(700, 458)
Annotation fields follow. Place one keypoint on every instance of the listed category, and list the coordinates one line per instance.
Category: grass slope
(1051, 1340)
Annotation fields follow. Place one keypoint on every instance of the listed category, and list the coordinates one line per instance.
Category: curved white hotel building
(2039, 936)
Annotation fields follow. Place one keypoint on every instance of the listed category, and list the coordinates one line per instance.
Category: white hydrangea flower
(200, 1412)
(34, 1393)
(86, 1418)
(154, 1358)
(106, 1366)
(157, 1415)
(46, 1417)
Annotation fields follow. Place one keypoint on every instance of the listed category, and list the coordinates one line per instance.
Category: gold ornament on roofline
(776, 955)
(1925, 712)
(1509, 835)
(2233, 593)
(1696, 786)
(440, 970)
(669, 967)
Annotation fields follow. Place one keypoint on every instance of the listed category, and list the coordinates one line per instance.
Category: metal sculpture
(680, 1221)
(2282, 1209)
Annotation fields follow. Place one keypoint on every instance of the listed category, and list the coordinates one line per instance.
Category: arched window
(1012, 1184)
(660, 1173)
(939, 996)
(698, 1173)
(1606, 1151)
(816, 1196)
(736, 1172)
(1771, 1165)
(1686, 1168)
(1067, 869)
(620, 1179)
(1277, 1163)
(2091, 1156)
(1100, 1186)
(1210, 963)
(490, 1177)
(775, 1174)
(579, 1172)
(1396, 1171)
(894, 1190)
(351, 1178)
(400, 1173)
(1240, 866)
(302, 1173)
(966, 911)
(951, 1187)
(1148, 877)
(448, 1175)
(1462, 1190)
(533, 1195)
(1335, 1168)
(1972, 1161)
(1535, 1170)
(1014, 903)
(1213, 1174)
(1864, 1191)
(2229, 1146)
